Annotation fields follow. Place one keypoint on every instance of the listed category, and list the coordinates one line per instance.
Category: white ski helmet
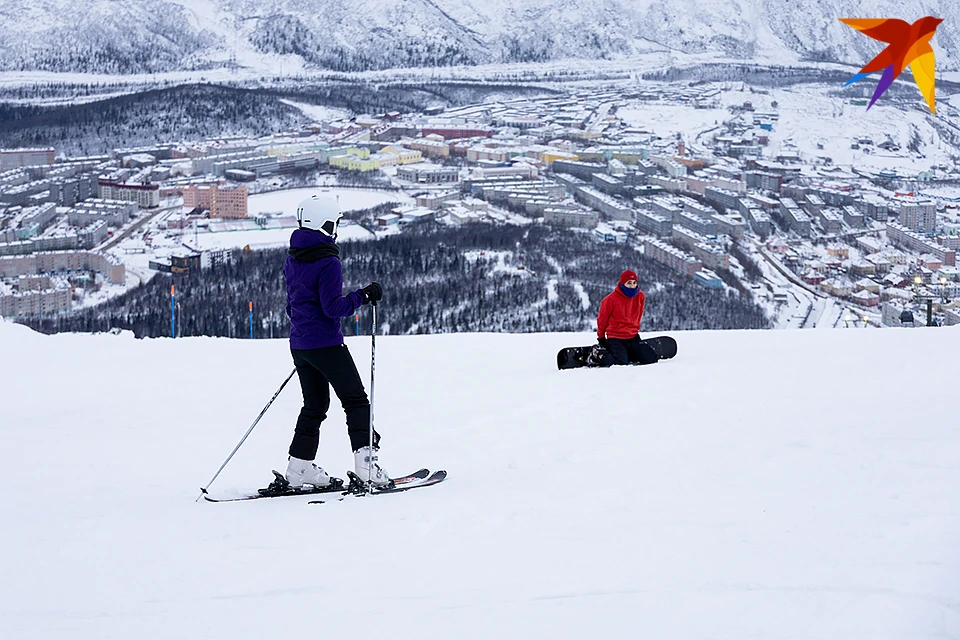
(320, 213)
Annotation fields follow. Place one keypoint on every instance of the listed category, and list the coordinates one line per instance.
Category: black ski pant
(630, 351)
(318, 370)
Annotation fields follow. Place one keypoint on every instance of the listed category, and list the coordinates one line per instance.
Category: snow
(319, 113)
(260, 239)
(665, 120)
(286, 201)
(648, 32)
(237, 234)
(497, 262)
(582, 293)
(741, 490)
(809, 116)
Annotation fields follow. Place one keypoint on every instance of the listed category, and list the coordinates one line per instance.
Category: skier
(618, 325)
(315, 305)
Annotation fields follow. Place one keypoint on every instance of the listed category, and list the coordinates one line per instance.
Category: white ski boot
(301, 472)
(367, 469)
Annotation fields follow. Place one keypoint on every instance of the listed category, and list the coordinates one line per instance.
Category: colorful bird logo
(908, 44)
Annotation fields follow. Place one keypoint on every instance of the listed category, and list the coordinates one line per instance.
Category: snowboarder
(315, 305)
(618, 325)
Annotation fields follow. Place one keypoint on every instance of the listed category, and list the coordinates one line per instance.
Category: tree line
(436, 279)
(203, 111)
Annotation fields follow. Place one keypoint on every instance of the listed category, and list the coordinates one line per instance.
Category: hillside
(149, 36)
(436, 279)
(764, 484)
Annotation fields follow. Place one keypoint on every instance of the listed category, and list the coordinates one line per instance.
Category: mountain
(763, 484)
(136, 36)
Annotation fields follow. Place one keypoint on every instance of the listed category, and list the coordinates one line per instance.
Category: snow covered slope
(788, 485)
(135, 36)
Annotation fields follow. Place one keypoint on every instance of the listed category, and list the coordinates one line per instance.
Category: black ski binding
(359, 487)
(280, 487)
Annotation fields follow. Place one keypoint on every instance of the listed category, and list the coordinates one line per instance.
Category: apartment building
(672, 257)
(918, 215)
(146, 195)
(905, 238)
(15, 158)
(223, 201)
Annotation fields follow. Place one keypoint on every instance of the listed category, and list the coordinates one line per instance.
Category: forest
(436, 279)
(204, 111)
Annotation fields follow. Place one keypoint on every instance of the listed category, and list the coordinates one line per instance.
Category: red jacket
(619, 315)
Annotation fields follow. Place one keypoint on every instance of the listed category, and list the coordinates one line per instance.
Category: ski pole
(203, 490)
(373, 364)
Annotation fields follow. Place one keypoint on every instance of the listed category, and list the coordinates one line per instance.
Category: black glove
(603, 343)
(372, 293)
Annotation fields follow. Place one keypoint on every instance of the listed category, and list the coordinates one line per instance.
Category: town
(715, 181)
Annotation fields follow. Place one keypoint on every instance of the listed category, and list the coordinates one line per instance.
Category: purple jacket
(315, 300)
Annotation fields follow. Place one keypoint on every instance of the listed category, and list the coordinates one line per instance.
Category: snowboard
(576, 357)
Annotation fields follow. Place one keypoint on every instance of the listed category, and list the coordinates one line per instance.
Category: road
(807, 308)
(827, 313)
(596, 122)
(126, 233)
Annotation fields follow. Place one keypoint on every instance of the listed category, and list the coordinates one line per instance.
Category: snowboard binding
(597, 357)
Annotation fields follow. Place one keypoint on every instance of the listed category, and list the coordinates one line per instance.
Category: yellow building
(627, 157)
(285, 151)
(589, 155)
(585, 134)
(549, 156)
(386, 159)
(838, 251)
(353, 163)
(359, 152)
(404, 156)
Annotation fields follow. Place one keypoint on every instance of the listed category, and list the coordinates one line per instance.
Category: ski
(357, 487)
(416, 475)
(279, 488)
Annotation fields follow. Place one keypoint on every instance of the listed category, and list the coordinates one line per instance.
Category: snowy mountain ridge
(140, 36)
